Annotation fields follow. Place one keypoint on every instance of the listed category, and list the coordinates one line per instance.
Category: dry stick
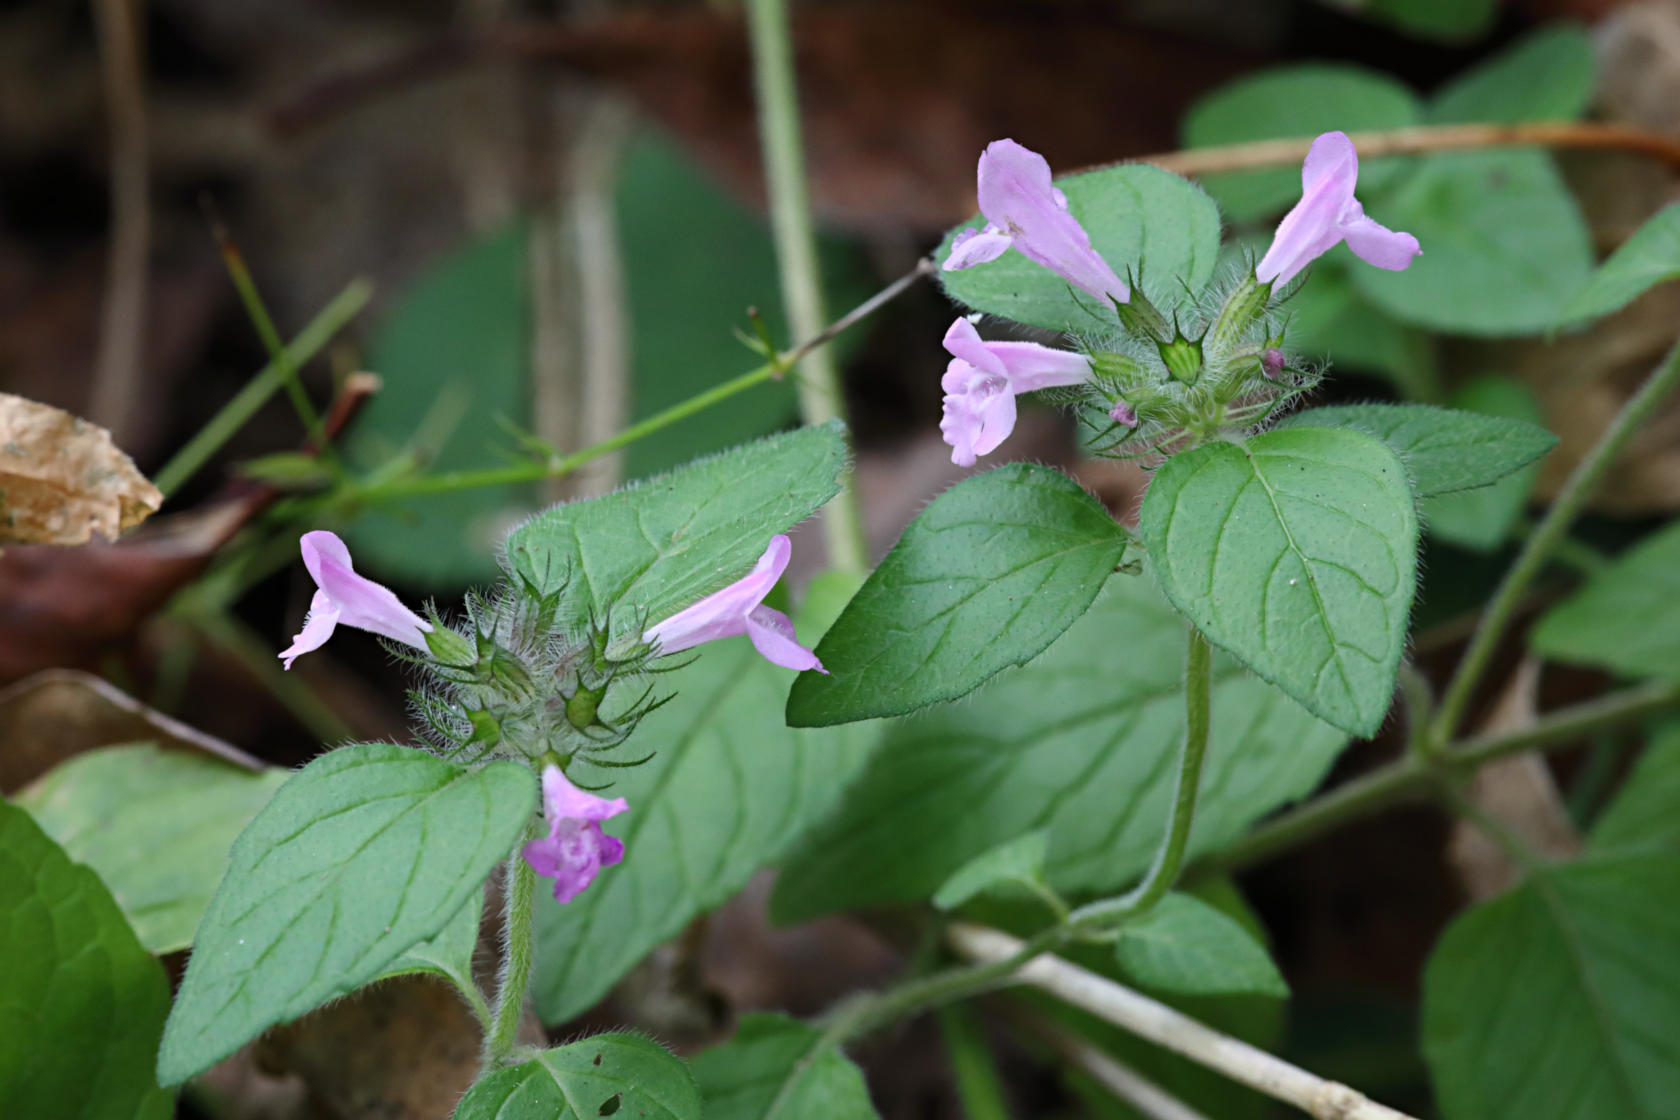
(1160, 1024)
(116, 380)
(1124, 1082)
(1422, 140)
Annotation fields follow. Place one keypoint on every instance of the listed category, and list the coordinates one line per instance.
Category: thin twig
(1126, 1083)
(122, 334)
(1423, 140)
(1160, 1024)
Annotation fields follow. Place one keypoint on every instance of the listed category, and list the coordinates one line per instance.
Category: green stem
(190, 459)
(1544, 541)
(1412, 778)
(820, 398)
(518, 888)
(979, 1087)
(1169, 859)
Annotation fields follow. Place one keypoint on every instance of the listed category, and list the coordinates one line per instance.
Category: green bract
(988, 576)
(361, 855)
(1297, 552)
(1139, 218)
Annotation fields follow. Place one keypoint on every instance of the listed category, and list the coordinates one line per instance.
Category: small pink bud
(1272, 363)
(1123, 413)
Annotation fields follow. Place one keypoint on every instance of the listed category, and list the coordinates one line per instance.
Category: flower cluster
(1153, 384)
(513, 681)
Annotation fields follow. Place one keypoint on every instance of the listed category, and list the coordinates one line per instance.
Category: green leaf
(1504, 245)
(1139, 217)
(1547, 76)
(116, 808)
(1185, 945)
(1443, 449)
(989, 575)
(731, 787)
(1482, 519)
(771, 1070)
(453, 353)
(1561, 999)
(1298, 554)
(695, 259)
(1330, 321)
(448, 953)
(1643, 817)
(605, 1075)
(1627, 617)
(362, 854)
(642, 553)
(1648, 258)
(1451, 20)
(1287, 102)
(81, 1000)
(1016, 861)
(1081, 742)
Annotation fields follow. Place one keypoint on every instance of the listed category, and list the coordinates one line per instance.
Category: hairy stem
(795, 238)
(518, 887)
(1545, 539)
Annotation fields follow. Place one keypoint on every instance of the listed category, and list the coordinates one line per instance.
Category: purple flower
(981, 382)
(739, 609)
(1329, 214)
(1024, 209)
(575, 849)
(347, 598)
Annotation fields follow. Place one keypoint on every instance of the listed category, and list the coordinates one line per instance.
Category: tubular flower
(739, 609)
(1329, 214)
(575, 849)
(347, 598)
(1023, 209)
(981, 383)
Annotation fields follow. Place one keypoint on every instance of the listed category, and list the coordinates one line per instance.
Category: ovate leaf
(1561, 1000)
(1294, 101)
(1443, 449)
(362, 854)
(729, 788)
(642, 553)
(1017, 861)
(1482, 519)
(1297, 552)
(1186, 946)
(1627, 617)
(1648, 258)
(988, 576)
(1643, 816)
(1081, 742)
(1452, 20)
(1139, 218)
(81, 1000)
(772, 1070)
(1547, 76)
(1504, 245)
(116, 808)
(606, 1075)
(449, 952)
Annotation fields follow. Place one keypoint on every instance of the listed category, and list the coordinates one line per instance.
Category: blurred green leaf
(1560, 1000)
(1186, 945)
(770, 1070)
(1643, 816)
(1017, 861)
(1627, 617)
(1331, 322)
(1648, 258)
(1139, 217)
(1451, 20)
(155, 824)
(1482, 519)
(1546, 76)
(1289, 102)
(81, 1000)
(1504, 245)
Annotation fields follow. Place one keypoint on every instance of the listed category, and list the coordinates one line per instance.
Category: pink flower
(347, 598)
(981, 383)
(575, 849)
(739, 609)
(1024, 209)
(1329, 214)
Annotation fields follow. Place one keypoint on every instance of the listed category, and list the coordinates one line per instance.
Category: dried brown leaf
(62, 478)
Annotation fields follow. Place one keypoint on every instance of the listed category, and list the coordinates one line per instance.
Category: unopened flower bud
(1272, 363)
(1141, 318)
(1123, 413)
(1183, 359)
(450, 648)
(1245, 303)
(582, 706)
